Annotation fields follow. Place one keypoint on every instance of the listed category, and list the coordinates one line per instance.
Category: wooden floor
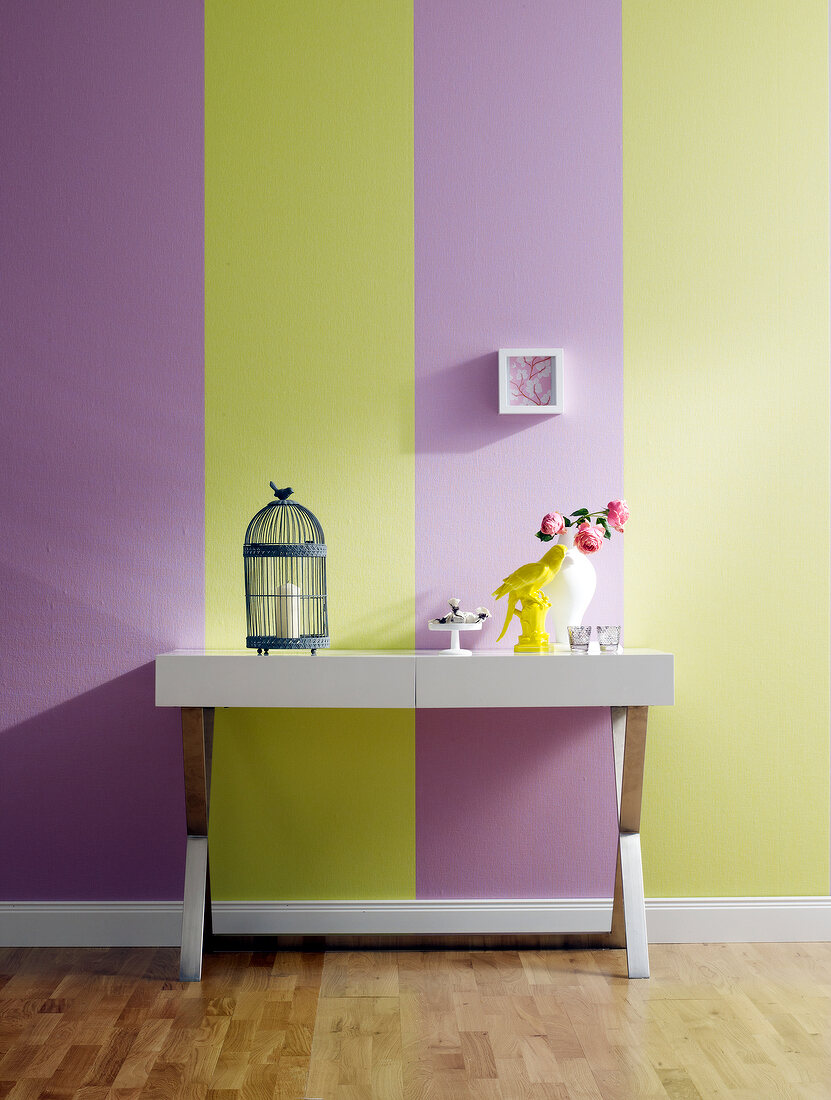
(734, 1020)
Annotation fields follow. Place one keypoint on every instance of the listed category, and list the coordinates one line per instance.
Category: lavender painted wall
(508, 807)
(517, 243)
(101, 438)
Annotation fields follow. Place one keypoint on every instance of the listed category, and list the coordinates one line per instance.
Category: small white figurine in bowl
(457, 620)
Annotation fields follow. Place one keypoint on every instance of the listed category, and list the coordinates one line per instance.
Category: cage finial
(281, 494)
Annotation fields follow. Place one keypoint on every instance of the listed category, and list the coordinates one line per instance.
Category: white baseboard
(738, 920)
(419, 917)
(90, 923)
(158, 923)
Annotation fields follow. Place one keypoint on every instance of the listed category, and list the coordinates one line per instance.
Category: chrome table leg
(197, 745)
(629, 909)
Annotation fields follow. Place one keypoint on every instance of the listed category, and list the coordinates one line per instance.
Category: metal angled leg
(193, 910)
(634, 909)
(197, 745)
(629, 909)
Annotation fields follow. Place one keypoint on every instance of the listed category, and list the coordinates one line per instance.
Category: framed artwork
(530, 380)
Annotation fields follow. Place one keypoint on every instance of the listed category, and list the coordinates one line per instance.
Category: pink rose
(552, 524)
(589, 538)
(618, 514)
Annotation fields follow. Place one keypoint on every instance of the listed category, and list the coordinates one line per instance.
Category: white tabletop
(413, 678)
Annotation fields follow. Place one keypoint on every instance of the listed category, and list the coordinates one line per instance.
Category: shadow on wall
(457, 409)
(92, 804)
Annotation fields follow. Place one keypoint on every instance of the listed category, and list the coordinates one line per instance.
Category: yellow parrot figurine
(526, 583)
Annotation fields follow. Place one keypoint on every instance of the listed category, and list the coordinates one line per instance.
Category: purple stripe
(101, 218)
(517, 244)
(509, 808)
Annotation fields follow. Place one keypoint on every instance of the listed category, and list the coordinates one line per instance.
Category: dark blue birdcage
(285, 578)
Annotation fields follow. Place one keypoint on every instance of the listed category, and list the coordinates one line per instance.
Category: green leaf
(567, 521)
(608, 534)
(544, 538)
(581, 512)
(602, 522)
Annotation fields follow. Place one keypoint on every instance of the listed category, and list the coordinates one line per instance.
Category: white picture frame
(538, 394)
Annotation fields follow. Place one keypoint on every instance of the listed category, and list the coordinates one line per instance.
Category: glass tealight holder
(608, 638)
(578, 638)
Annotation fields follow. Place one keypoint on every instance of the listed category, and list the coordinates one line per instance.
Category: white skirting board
(420, 917)
(158, 923)
(738, 920)
(90, 923)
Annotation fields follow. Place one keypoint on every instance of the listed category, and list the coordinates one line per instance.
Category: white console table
(628, 683)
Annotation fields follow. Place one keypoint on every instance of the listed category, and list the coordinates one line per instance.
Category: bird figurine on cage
(285, 578)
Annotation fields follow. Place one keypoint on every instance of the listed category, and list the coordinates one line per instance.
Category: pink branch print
(530, 380)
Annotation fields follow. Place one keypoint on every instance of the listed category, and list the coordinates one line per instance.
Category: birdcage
(285, 578)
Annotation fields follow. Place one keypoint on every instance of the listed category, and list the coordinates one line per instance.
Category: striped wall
(309, 298)
(309, 380)
(387, 193)
(725, 137)
(101, 438)
(518, 243)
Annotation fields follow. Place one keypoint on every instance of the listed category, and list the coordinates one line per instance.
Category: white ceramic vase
(571, 590)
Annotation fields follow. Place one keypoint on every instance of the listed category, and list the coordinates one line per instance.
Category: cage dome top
(284, 522)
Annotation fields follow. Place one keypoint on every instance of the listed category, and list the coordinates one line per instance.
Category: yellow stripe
(725, 130)
(309, 373)
(317, 805)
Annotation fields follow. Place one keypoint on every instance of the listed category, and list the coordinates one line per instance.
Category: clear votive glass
(608, 638)
(578, 638)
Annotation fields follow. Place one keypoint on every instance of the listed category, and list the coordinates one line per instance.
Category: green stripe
(726, 351)
(309, 382)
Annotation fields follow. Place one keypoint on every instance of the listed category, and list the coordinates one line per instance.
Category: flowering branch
(527, 373)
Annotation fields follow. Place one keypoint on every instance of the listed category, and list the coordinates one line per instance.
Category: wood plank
(360, 974)
(197, 788)
(737, 1020)
(633, 764)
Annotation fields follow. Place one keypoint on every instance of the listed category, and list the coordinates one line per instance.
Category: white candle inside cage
(288, 611)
